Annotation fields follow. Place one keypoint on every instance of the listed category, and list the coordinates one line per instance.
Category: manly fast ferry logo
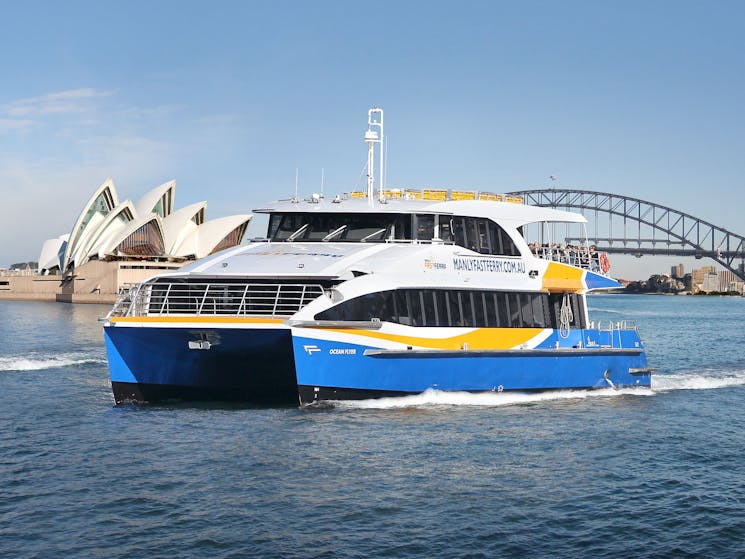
(432, 265)
(494, 265)
(311, 349)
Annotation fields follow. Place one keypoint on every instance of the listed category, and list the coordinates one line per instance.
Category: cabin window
(458, 226)
(555, 301)
(458, 308)
(477, 234)
(424, 225)
(445, 232)
(338, 227)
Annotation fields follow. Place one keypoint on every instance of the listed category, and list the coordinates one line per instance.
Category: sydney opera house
(150, 228)
(114, 243)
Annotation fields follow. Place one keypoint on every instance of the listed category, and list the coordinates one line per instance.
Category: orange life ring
(604, 263)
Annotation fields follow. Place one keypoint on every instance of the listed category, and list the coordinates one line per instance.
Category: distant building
(736, 286)
(697, 277)
(728, 281)
(710, 282)
(677, 271)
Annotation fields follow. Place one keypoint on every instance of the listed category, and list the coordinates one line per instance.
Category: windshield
(352, 228)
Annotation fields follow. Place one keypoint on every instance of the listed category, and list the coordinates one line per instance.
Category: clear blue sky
(228, 98)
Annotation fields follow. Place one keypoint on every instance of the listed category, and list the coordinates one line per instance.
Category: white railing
(609, 325)
(582, 257)
(215, 299)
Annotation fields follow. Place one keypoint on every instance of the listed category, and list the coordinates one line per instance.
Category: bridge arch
(680, 233)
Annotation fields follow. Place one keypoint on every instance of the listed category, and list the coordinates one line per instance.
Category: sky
(642, 98)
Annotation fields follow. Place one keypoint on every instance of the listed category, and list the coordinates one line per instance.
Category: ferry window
(402, 227)
(479, 312)
(274, 221)
(508, 246)
(526, 309)
(457, 308)
(515, 320)
(490, 306)
(445, 231)
(484, 244)
(285, 225)
(495, 238)
(425, 226)
(539, 311)
(402, 314)
(503, 310)
(339, 227)
(481, 235)
(472, 234)
(441, 307)
(413, 298)
(454, 318)
(372, 305)
(467, 309)
(429, 305)
(459, 231)
(369, 228)
(554, 305)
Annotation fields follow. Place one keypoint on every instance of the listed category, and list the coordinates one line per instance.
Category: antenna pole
(373, 137)
(296, 177)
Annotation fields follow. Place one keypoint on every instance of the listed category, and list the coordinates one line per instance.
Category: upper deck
(484, 223)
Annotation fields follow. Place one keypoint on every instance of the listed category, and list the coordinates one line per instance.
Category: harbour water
(645, 473)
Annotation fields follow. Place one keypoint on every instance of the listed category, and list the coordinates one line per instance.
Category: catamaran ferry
(376, 294)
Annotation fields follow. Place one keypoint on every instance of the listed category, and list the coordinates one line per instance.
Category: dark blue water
(651, 473)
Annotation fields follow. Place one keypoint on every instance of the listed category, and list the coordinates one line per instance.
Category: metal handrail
(580, 257)
(216, 299)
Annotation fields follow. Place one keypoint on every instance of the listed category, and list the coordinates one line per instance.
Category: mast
(372, 137)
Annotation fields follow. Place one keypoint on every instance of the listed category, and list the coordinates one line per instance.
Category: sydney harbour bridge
(623, 225)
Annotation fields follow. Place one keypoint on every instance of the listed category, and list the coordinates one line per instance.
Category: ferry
(374, 294)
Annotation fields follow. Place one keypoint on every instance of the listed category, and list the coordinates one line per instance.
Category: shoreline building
(115, 243)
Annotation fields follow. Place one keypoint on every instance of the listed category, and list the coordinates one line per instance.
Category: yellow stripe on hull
(480, 338)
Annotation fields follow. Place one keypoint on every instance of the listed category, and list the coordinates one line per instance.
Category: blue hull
(345, 371)
(270, 366)
(156, 364)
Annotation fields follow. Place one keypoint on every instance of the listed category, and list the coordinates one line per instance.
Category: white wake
(437, 398)
(660, 383)
(697, 381)
(39, 362)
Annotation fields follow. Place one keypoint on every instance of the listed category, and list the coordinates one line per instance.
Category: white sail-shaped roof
(104, 200)
(117, 220)
(158, 201)
(221, 233)
(78, 255)
(180, 228)
(49, 258)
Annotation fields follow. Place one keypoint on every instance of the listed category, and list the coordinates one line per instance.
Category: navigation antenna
(372, 137)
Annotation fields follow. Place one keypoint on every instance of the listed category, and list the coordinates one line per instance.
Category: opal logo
(311, 349)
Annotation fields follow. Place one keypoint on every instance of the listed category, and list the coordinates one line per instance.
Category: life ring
(604, 263)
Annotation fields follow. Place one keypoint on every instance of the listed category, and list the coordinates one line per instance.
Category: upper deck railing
(583, 257)
(168, 298)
